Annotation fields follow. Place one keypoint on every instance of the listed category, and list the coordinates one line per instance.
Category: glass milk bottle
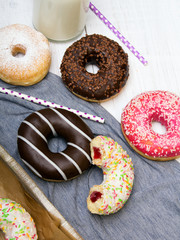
(60, 20)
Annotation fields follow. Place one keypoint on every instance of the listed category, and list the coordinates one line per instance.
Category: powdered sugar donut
(15, 221)
(136, 123)
(114, 191)
(24, 55)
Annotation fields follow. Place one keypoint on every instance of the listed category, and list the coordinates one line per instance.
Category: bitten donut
(24, 55)
(136, 123)
(107, 55)
(34, 133)
(118, 172)
(15, 221)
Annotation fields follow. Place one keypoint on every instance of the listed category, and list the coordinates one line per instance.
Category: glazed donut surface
(111, 195)
(34, 134)
(136, 123)
(107, 55)
(15, 221)
(24, 55)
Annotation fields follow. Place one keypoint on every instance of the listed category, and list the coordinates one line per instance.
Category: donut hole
(158, 127)
(92, 62)
(92, 67)
(57, 144)
(18, 51)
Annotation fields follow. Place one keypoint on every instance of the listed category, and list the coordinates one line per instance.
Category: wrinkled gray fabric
(153, 209)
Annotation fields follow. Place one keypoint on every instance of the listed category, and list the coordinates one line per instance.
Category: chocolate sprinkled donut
(111, 60)
(34, 133)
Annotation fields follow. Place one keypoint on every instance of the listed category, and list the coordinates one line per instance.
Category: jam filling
(97, 153)
(95, 196)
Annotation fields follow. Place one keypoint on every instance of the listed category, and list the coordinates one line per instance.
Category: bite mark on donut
(118, 176)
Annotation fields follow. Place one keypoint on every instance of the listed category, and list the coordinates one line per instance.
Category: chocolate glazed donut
(33, 135)
(107, 55)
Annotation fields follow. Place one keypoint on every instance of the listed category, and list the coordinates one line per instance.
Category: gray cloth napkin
(153, 209)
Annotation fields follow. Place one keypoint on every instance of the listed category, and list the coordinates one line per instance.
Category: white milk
(60, 20)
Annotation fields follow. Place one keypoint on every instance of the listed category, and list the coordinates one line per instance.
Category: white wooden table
(153, 28)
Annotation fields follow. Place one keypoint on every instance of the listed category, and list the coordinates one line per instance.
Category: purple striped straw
(117, 33)
(50, 104)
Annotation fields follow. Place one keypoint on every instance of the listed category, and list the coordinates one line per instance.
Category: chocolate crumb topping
(111, 60)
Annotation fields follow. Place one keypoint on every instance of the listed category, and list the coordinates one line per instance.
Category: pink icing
(137, 117)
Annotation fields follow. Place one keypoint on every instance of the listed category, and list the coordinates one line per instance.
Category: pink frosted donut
(136, 124)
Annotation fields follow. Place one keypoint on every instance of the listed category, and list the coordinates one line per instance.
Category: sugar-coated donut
(136, 123)
(107, 55)
(114, 191)
(34, 133)
(24, 55)
(16, 222)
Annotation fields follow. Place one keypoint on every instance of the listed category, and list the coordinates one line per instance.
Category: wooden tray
(32, 189)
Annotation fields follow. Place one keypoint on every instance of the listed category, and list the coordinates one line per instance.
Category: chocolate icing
(34, 133)
(107, 55)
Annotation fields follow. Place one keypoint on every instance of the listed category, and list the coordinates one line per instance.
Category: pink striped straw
(117, 33)
(50, 104)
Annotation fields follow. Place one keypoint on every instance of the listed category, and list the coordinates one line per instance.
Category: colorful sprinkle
(136, 122)
(15, 222)
(118, 175)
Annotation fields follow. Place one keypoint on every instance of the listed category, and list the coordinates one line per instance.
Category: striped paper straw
(117, 33)
(50, 104)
